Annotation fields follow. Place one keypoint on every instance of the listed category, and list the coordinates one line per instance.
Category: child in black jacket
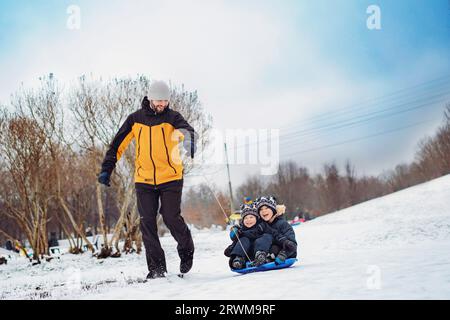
(252, 238)
(284, 244)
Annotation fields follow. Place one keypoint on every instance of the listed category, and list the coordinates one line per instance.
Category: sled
(266, 267)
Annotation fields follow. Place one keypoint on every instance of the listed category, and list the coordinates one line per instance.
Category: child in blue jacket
(284, 243)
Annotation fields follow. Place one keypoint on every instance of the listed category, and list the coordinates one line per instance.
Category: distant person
(9, 245)
(88, 232)
(53, 241)
(306, 215)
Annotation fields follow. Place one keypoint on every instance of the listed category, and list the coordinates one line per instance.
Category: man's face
(160, 105)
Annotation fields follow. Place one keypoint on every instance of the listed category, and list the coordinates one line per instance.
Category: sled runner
(266, 267)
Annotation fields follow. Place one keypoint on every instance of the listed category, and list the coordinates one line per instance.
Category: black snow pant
(148, 200)
(250, 247)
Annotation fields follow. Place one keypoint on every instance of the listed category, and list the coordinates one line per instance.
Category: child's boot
(238, 263)
(281, 257)
(260, 258)
(270, 257)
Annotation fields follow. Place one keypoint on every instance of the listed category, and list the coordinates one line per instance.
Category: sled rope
(226, 218)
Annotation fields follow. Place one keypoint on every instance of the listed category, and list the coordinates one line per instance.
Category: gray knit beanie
(159, 90)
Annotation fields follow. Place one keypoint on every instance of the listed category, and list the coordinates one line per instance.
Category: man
(158, 174)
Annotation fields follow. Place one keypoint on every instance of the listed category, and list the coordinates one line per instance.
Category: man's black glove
(189, 143)
(104, 178)
(190, 147)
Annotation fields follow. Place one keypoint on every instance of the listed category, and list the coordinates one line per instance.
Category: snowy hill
(394, 247)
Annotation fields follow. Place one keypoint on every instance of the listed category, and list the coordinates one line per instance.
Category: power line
(359, 139)
(350, 109)
(367, 117)
(414, 95)
(327, 118)
(425, 99)
(363, 121)
(350, 123)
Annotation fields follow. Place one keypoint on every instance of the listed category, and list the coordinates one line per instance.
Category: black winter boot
(156, 274)
(238, 263)
(187, 260)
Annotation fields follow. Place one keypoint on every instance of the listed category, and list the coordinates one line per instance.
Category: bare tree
(351, 184)
(22, 146)
(44, 106)
(202, 205)
(253, 187)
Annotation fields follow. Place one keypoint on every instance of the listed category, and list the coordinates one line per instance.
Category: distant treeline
(332, 189)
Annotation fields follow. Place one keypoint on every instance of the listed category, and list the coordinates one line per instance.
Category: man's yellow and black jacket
(157, 136)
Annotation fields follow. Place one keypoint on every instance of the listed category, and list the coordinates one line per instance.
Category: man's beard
(158, 109)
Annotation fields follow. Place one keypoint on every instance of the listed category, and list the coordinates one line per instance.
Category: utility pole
(229, 181)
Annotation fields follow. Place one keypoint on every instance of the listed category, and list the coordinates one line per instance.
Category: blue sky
(257, 64)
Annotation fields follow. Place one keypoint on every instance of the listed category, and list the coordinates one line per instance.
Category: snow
(4, 252)
(394, 247)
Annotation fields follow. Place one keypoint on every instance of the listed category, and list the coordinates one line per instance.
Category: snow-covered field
(395, 247)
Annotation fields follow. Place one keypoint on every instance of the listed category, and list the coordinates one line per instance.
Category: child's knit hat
(247, 209)
(270, 202)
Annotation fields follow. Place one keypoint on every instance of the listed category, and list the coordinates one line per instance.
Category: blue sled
(266, 267)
